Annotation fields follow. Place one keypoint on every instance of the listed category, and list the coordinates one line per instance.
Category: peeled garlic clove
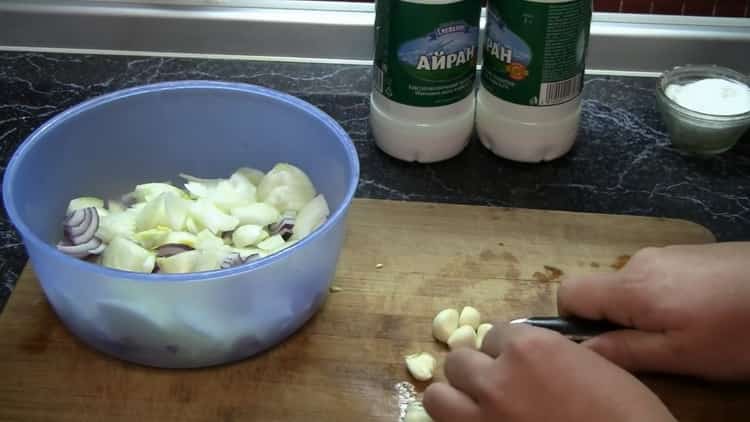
(415, 413)
(470, 316)
(421, 366)
(464, 336)
(444, 324)
(482, 331)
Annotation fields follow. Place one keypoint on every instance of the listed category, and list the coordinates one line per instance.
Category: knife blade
(574, 328)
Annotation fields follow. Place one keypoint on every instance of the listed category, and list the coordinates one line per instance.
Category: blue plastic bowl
(105, 146)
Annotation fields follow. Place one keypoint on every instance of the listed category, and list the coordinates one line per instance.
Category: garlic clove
(415, 413)
(482, 331)
(421, 366)
(464, 336)
(470, 316)
(444, 324)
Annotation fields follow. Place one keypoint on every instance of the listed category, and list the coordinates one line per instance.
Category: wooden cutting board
(347, 363)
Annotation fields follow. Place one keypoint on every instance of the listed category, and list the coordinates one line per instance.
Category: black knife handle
(577, 329)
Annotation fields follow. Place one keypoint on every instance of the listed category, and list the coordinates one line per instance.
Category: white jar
(529, 101)
(422, 103)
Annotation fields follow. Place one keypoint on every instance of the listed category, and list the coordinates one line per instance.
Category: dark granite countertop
(622, 162)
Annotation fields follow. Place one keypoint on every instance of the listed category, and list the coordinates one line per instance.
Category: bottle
(422, 102)
(529, 99)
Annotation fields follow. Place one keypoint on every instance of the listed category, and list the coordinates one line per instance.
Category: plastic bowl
(695, 132)
(105, 146)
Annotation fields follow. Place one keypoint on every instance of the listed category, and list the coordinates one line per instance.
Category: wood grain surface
(345, 364)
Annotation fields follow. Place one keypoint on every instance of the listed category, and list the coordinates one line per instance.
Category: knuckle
(533, 343)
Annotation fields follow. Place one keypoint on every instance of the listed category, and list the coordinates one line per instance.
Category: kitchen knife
(576, 329)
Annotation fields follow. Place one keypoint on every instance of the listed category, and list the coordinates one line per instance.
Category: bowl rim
(724, 73)
(37, 135)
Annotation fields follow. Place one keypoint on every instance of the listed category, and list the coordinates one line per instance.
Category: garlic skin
(470, 316)
(421, 366)
(464, 336)
(415, 413)
(444, 324)
(482, 331)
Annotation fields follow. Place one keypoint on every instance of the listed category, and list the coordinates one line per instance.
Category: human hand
(689, 307)
(529, 374)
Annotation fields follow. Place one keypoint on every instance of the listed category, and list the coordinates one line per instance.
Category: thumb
(636, 351)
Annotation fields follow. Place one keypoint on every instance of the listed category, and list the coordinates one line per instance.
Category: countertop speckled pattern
(622, 162)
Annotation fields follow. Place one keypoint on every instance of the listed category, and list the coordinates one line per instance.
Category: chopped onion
(310, 217)
(208, 241)
(248, 235)
(170, 249)
(152, 215)
(74, 218)
(176, 209)
(149, 191)
(115, 206)
(99, 249)
(85, 202)
(234, 259)
(80, 250)
(87, 220)
(201, 180)
(285, 226)
(117, 224)
(209, 216)
(288, 197)
(124, 254)
(272, 243)
(181, 238)
(210, 259)
(152, 238)
(254, 176)
(259, 213)
(183, 262)
(284, 174)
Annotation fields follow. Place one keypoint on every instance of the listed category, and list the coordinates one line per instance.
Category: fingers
(498, 338)
(466, 370)
(635, 350)
(445, 403)
(617, 297)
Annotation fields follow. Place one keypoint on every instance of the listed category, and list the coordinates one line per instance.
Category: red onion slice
(92, 225)
(99, 249)
(234, 259)
(170, 249)
(79, 251)
(75, 217)
(285, 226)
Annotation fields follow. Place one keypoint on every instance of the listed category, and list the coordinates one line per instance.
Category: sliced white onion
(248, 235)
(272, 243)
(124, 254)
(288, 197)
(149, 191)
(117, 224)
(251, 174)
(183, 262)
(310, 217)
(259, 214)
(153, 214)
(206, 214)
(284, 174)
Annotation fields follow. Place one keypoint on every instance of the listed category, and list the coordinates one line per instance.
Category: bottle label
(535, 53)
(426, 54)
